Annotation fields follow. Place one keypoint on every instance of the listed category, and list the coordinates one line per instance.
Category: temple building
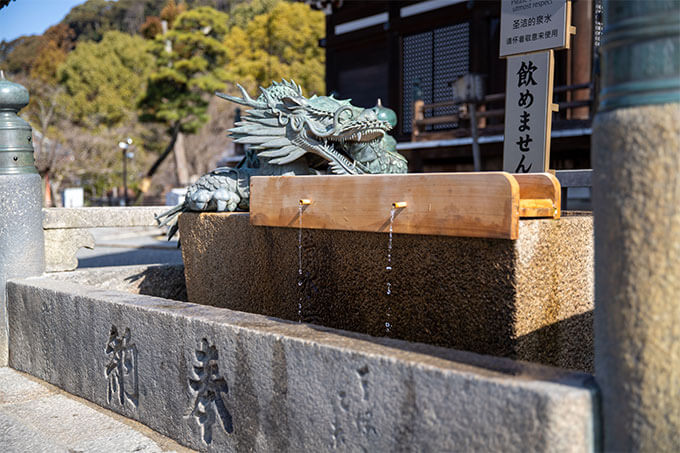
(410, 53)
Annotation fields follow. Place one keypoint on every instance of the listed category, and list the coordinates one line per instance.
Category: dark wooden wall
(366, 64)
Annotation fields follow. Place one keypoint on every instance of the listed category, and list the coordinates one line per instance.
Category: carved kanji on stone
(209, 387)
(121, 371)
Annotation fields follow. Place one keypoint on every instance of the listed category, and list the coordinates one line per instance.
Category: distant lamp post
(124, 146)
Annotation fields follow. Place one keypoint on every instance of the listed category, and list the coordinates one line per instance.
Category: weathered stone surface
(66, 229)
(36, 416)
(54, 218)
(160, 280)
(61, 246)
(284, 386)
(636, 194)
(21, 238)
(530, 299)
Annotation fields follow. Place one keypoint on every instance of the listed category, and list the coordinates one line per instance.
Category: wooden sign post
(530, 30)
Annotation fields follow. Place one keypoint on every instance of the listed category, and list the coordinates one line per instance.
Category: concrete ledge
(61, 246)
(162, 280)
(220, 380)
(66, 230)
(101, 217)
(529, 299)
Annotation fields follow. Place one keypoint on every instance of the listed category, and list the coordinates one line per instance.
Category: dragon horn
(246, 100)
(296, 86)
(267, 96)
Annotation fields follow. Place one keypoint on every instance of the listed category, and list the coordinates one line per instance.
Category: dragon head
(284, 126)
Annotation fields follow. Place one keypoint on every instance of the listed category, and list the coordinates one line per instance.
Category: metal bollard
(22, 244)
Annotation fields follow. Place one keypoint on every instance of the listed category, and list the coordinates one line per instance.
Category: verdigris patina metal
(640, 54)
(22, 251)
(289, 134)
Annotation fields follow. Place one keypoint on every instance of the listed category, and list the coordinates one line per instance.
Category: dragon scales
(289, 134)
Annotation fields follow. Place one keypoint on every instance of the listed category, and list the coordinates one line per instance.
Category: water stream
(388, 269)
(300, 263)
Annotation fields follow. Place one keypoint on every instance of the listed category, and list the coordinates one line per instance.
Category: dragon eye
(347, 115)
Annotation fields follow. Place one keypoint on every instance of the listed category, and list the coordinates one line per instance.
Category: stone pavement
(38, 417)
(121, 246)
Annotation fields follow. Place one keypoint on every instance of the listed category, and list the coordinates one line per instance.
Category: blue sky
(32, 17)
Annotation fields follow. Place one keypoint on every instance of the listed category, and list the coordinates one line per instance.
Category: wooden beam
(536, 208)
(452, 204)
(429, 136)
(418, 114)
(536, 190)
(438, 120)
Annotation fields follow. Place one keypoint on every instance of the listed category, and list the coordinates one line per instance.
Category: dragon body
(289, 134)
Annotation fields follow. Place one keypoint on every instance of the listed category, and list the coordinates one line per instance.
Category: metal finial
(2, 74)
(379, 102)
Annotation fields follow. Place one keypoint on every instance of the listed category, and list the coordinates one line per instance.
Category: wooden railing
(490, 114)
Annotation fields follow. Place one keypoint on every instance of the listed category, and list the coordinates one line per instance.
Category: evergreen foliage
(280, 43)
(103, 80)
(106, 71)
(190, 62)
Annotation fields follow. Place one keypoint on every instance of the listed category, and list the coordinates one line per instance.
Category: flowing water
(388, 269)
(299, 282)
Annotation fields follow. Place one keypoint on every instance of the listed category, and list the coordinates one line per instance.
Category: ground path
(38, 417)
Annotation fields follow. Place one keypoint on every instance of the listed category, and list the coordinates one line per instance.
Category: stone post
(636, 199)
(22, 246)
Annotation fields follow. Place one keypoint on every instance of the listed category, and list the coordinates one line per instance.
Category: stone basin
(219, 380)
(529, 299)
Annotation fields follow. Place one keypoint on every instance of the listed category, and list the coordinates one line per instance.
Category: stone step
(38, 417)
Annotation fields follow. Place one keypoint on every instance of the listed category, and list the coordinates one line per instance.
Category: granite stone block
(529, 299)
(220, 380)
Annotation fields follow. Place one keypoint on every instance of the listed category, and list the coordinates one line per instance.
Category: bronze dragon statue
(289, 134)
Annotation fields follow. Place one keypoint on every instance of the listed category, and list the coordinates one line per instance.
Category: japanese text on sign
(532, 25)
(527, 113)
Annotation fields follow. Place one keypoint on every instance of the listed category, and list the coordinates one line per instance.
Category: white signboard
(533, 25)
(73, 197)
(528, 113)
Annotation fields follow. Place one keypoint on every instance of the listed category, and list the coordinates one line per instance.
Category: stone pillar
(22, 247)
(636, 199)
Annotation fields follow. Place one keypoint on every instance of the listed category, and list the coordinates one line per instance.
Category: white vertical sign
(528, 113)
(534, 25)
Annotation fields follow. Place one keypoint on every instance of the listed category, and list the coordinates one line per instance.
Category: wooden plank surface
(452, 204)
(540, 207)
(535, 191)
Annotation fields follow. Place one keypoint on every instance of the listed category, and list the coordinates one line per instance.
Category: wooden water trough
(487, 204)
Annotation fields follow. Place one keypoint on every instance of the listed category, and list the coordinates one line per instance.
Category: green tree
(20, 54)
(103, 81)
(98, 88)
(91, 19)
(282, 43)
(171, 11)
(190, 62)
(245, 11)
(58, 42)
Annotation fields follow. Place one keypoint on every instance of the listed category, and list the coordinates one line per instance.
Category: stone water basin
(529, 299)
